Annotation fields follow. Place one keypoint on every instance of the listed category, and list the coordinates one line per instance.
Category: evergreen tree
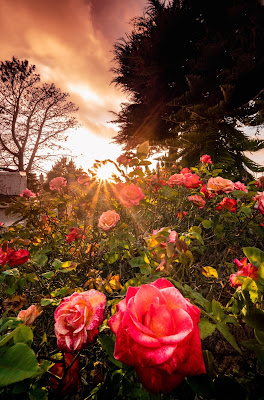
(194, 73)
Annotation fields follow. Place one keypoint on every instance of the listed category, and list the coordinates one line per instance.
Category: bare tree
(33, 116)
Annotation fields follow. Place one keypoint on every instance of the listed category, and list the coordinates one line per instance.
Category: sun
(105, 172)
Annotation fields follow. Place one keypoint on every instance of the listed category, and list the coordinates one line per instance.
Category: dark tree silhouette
(33, 116)
(194, 71)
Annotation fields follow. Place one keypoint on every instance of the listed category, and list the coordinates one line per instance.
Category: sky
(71, 44)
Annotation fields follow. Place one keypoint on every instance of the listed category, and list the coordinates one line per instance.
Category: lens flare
(105, 172)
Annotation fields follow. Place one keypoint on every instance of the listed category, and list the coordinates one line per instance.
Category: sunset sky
(71, 43)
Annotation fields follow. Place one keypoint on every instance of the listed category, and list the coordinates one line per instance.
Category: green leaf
(18, 363)
(108, 345)
(48, 275)
(207, 224)
(250, 286)
(40, 259)
(224, 330)
(202, 385)
(11, 272)
(57, 264)
(38, 392)
(137, 262)
(254, 255)
(23, 334)
(246, 210)
(111, 258)
(259, 335)
(50, 302)
(217, 310)
(254, 317)
(206, 328)
(143, 149)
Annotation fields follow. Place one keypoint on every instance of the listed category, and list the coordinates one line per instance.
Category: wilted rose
(197, 200)
(71, 380)
(57, 183)
(260, 182)
(227, 204)
(157, 332)
(77, 319)
(27, 193)
(206, 159)
(245, 269)
(29, 315)
(108, 220)
(220, 185)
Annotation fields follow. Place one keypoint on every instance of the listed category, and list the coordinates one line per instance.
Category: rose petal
(183, 327)
(144, 297)
(156, 380)
(162, 283)
(174, 298)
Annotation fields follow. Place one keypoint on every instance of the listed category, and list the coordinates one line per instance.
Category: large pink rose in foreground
(77, 319)
(108, 220)
(157, 332)
(220, 185)
(129, 195)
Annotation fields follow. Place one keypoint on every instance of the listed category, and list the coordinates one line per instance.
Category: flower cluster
(13, 256)
(75, 234)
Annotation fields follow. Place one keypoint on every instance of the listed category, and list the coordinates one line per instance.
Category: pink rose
(108, 220)
(176, 179)
(206, 159)
(245, 269)
(198, 200)
(228, 204)
(77, 319)
(29, 315)
(259, 198)
(220, 185)
(157, 332)
(57, 183)
(240, 186)
(186, 171)
(129, 195)
(192, 181)
(27, 193)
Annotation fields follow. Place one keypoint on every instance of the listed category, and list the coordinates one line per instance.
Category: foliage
(160, 234)
(194, 81)
(33, 116)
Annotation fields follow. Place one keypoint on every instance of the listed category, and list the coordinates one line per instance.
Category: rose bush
(77, 319)
(157, 332)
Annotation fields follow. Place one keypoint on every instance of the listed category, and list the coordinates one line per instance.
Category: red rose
(19, 257)
(206, 159)
(5, 256)
(192, 181)
(157, 332)
(228, 204)
(75, 234)
(245, 269)
(71, 380)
